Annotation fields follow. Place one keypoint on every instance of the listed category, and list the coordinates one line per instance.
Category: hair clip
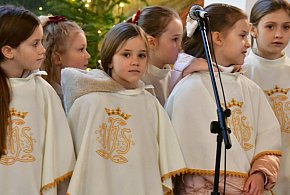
(56, 19)
(136, 17)
(191, 26)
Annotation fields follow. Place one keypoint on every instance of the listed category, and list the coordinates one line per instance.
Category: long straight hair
(16, 25)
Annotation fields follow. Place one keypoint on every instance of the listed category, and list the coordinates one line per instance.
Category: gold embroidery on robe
(239, 125)
(114, 137)
(19, 140)
(281, 106)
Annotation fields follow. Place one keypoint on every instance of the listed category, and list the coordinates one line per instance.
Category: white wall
(243, 4)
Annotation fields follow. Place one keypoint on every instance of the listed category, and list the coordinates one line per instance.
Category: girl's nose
(278, 33)
(179, 46)
(247, 43)
(135, 61)
(42, 49)
(88, 55)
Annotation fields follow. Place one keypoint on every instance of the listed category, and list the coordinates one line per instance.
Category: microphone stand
(217, 127)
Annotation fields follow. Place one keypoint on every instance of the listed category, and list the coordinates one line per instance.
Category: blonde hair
(56, 38)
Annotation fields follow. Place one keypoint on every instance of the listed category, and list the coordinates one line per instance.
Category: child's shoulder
(150, 96)
(41, 82)
(248, 81)
(192, 81)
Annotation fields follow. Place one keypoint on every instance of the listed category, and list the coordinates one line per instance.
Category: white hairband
(43, 20)
(191, 25)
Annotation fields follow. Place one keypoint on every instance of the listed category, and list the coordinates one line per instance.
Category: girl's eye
(126, 55)
(286, 27)
(142, 55)
(35, 44)
(270, 27)
(244, 36)
(175, 39)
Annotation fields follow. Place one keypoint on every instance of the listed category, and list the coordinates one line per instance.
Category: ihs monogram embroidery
(239, 125)
(19, 140)
(281, 106)
(115, 138)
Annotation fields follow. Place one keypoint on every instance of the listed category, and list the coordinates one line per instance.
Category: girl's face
(129, 63)
(165, 49)
(29, 55)
(232, 45)
(76, 55)
(272, 34)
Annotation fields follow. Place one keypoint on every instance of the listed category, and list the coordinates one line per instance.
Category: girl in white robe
(164, 30)
(124, 140)
(36, 149)
(269, 67)
(252, 162)
(65, 43)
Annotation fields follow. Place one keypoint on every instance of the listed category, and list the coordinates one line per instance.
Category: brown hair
(154, 19)
(115, 38)
(16, 25)
(264, 7)
(222, 17)
(56, 38)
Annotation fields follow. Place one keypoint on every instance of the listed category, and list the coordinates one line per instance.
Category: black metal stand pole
(219, 126)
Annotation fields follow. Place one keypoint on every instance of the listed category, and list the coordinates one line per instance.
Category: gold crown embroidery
(13, 112)
(277, 89)
(115, 138)
(234, 102)
(117, 112)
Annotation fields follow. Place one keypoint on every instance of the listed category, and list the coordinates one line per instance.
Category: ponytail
(5, 98)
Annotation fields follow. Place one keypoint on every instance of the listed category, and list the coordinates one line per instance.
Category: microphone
(197, 12)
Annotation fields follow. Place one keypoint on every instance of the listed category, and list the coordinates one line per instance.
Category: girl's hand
(198, 64)
(255, 184)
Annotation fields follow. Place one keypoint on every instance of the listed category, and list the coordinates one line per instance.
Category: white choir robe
(273, 76)
(40, 151)
(160, 80)
(192, 106)
(124, 140)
